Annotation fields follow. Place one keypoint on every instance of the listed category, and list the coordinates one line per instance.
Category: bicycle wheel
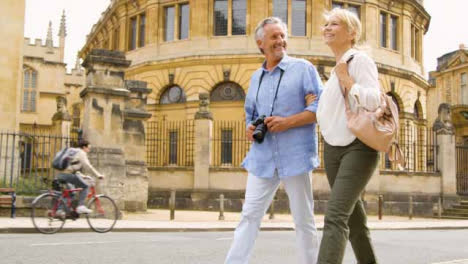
(43, 213)
(104, 215)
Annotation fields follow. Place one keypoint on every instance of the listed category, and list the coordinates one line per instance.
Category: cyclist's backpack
(63, 157)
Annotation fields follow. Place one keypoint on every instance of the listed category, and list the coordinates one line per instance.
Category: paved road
(275, 247)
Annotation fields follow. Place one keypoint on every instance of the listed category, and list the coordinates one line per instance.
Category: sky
(446, 31)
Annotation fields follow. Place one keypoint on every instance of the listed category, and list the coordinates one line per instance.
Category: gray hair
(260, 33)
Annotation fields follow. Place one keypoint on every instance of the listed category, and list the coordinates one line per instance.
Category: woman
(349, 163)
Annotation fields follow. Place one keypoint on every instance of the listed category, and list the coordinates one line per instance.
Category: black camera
(260, 129)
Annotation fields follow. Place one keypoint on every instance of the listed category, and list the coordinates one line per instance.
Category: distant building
(44, 79)
(450, 85)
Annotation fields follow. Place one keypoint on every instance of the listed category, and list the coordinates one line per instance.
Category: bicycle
(50, 210)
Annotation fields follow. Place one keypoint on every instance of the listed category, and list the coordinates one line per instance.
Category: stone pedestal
(202, 155)
(114, 115)
(446, 162)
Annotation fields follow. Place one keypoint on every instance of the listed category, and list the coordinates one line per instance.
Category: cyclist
(73, 174)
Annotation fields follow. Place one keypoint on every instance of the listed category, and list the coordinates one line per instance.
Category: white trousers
(258, 196)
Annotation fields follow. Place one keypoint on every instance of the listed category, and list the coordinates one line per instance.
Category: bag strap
(343, 90)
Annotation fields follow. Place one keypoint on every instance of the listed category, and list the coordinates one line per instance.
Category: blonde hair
(349, 19)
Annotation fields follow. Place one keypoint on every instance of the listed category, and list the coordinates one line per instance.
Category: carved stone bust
(62, 112)
(203, 110)
(443, 123)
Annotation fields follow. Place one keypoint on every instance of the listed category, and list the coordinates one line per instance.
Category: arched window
(396, 100)
(227, 91)
(29, 89)
(172, 95)
(417, 111)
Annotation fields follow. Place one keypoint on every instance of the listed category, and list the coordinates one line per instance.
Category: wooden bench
(9, 200)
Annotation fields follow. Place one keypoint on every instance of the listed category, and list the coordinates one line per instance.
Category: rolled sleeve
(366, 87)
(312, 85)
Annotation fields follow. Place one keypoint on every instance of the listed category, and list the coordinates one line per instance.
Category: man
(289, 149)
(72, 174)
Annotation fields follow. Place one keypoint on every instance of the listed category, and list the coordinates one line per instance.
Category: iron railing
(170, 143)
(229, 143)
(462, 170)
(419, 146)
(26, 157)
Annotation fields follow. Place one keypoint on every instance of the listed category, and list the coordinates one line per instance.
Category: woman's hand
(341, 70)
(310, 98)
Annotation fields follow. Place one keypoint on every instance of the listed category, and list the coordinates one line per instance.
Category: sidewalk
(158, 221)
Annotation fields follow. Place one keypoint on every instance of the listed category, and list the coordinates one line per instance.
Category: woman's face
(335, 33)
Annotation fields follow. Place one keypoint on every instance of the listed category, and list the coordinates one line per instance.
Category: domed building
(186, 48)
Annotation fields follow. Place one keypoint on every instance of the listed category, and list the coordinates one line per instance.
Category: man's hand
(310, 98)
(277, 123)
(249, 132)
(101, 177)
(341, 70)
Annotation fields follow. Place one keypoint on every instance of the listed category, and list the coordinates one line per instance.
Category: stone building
(45, 78)
(12, 14)
(450, 85)
(184, 49)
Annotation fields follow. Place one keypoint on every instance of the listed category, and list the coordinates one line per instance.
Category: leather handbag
(377, 129)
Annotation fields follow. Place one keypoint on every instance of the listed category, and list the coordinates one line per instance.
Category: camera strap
(276, 92)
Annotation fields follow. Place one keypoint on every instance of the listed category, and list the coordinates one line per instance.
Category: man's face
(274, 41)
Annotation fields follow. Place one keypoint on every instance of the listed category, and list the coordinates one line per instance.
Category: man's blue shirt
(294, 151)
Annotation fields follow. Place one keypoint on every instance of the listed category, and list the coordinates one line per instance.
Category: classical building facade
(184, 48)
(450, 85)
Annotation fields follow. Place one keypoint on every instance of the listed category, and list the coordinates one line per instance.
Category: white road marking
(224, 238)
(75, 243)
(458, 261)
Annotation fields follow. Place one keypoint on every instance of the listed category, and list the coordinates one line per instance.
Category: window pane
(383, 30)
(226, 146)
(394, 22)
(34, 79)
(133, 29)
(27, 76)
(173, 147)
(417, 54)
(220, 17)
(337, 5)
(298, 27)
(184, 21)
(32, 106)
(169, 24)
(355, 9)
(25, 100)
(239, 12)
(280, 9)
(464, 88)
(141, 39)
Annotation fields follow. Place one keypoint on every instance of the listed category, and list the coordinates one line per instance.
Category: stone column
(136, 186)
(104, 96)
(446, 155)
(202, 155)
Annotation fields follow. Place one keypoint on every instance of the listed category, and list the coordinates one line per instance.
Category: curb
(31, 230)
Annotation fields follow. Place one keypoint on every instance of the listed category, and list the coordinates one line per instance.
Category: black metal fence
(462, 170)
(419, 146)
(229, 143)
(25, 159)
(170, 143)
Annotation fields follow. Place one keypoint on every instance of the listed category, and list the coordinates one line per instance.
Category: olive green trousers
(348, 169)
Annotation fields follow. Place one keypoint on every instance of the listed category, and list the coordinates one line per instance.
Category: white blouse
(331, 112)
